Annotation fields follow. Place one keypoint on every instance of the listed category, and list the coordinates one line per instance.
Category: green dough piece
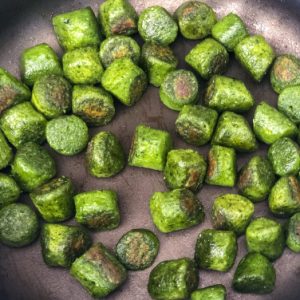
(173, 279)
(255, 275)
(62, 244)
(270, 125)
(196, 124)
(38, 61)
(293, 234)
(9, 190)
(137, 249)
(289, 102)
(32, 166)
(256, 179)
(118, 17)
(77, 29)
(208, 58)
(67, 135)
(157, 25)
(98, 271)
(93, 104)
(265, 236)
(214, 292)
(225, 93)
(284, 156)
(175, 210)
(6, 154)
(116, 47)
(105, 156)
(54, 199)
(255, 55)
(19, 225)
(221, 166)
(179, 88)
(229, 31)
(232, 212)
(51, 95)
(185, 168)
(97, 210)
(195, 19)
(216, 250)
(158, 61)
(285, 72)
(284, 199)
(125, 80)
(234, 131)
(149, 148)
(22, 123)
(12, 91)
(82, 66)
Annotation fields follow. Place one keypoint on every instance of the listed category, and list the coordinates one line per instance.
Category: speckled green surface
(195, 19)
(208, 58)
(173, 279)
(119, 46)
(270, 125)
(221, 166)
(289, 102)
(77, 29)
(149, 148)
(285, 72)
(293, 239)
(82, 66)
(195, 124)
(62, 244)
(67, 135)
(225, 93)
(12, 91)
(54, 199)
(265, 236)
(137, 249)
(118, 17)
(232, 212)
(256, 179)
(105, 156)
(22, 124)
(214, 292)
(99, 271)
(284, 156)
(185, 168)
(32, 166)
(157, 61)
(284, 199)
(9, 190)
(157, 25)
(229, 31)
(216, 250)
(125, 80)
(255, 55)
(37, 61)
(51, 95)
(234, 131)
(18, 225)
(97, 210)
(179, 88)
(175, 210)
(93, 104)
(255, 275)
(6, 153)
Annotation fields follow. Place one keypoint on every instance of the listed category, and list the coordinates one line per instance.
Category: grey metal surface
(23, 274)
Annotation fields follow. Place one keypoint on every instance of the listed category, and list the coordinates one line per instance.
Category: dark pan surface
(23, 274)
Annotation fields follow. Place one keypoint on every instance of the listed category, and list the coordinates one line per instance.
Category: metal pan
(23, 274)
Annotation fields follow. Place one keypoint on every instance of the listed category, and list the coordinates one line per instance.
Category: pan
(23, 274)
